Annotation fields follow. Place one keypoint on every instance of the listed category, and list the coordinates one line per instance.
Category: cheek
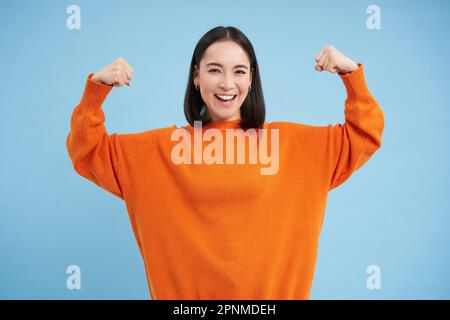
(207, 91)
(243, 85)
(209, 88)
(243, 90)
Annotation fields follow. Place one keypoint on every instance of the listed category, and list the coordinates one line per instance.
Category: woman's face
(224, 71)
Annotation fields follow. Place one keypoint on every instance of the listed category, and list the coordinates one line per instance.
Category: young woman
(214, 229)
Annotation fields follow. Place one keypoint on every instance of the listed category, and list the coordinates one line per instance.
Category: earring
(250, 88)
(196, 87)
(202, 112)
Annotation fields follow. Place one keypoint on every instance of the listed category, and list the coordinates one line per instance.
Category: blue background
(393, 212)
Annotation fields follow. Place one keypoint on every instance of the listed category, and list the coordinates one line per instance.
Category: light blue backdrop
(393, 213)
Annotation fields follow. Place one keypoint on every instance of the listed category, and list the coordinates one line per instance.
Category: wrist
(354, 67)
(95, 78)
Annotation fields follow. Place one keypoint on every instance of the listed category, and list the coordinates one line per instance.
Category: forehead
(226, 53)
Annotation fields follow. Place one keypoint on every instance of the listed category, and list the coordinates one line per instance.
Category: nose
(226, 83)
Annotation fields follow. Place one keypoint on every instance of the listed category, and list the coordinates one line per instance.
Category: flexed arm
(92, 150)
(351, 144)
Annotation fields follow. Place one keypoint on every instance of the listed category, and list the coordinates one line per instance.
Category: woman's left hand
(332, 60)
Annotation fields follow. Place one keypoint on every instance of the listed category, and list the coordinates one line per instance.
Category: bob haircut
(253, 110)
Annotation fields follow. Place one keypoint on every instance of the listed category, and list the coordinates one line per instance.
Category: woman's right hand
(118, 73)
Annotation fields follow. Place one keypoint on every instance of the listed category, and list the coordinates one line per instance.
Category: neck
(224, 124)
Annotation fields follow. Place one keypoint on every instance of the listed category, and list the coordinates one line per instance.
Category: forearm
(91, 150)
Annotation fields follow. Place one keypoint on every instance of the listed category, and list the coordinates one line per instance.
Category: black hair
(253, 110)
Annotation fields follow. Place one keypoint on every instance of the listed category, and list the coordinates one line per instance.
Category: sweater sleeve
(351, 144)
(91, 149)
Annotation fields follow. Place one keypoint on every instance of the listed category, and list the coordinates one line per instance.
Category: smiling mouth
(225, 100)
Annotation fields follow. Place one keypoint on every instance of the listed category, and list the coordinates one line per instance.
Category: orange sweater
(226, 231)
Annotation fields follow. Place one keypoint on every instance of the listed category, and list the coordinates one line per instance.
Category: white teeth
(226, 97)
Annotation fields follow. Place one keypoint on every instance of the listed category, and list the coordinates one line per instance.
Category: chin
(224, 116)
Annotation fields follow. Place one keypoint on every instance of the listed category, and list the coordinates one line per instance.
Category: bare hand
(118, 73)
(332, 60)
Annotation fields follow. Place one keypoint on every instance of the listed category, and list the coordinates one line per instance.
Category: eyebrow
(219, 65)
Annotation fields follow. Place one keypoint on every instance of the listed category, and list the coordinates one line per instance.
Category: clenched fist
(332, 60)
(118, 73)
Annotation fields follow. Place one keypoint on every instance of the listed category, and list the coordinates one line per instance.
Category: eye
(214, 71)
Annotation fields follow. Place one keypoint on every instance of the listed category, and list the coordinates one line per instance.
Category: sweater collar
(226, 124)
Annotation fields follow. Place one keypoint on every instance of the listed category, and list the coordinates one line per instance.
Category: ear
(195, 75)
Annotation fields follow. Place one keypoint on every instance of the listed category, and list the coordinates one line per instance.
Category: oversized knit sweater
(225, 230)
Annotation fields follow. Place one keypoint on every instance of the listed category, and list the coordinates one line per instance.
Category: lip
(226, 103)
(226, 94)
